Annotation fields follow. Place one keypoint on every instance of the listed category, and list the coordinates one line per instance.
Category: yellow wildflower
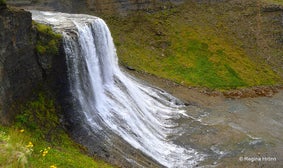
(22, 130)
(53, 166)
(29, 145)
(44, 153)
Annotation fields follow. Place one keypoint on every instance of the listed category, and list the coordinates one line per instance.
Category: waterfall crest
(106, 98)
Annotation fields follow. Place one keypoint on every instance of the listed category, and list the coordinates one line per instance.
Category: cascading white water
(109, 98)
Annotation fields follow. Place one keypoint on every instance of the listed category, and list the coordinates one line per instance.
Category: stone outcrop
(22, 68)
(19, 70)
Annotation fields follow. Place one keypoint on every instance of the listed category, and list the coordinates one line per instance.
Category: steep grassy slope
(19, 148)
(190, 44)
(37, 139)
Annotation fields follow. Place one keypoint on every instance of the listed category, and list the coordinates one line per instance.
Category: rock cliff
(22, 66)
(19, 70)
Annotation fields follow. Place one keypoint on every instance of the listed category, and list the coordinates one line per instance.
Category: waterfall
(107, 98)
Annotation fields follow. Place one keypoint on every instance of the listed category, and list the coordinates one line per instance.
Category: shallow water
(249, 129)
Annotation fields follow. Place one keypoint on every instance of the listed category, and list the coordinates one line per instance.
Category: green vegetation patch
(180, 45)
(2, 2)
(278, 2)
(38, 140)
(198, 68)
(47, 40)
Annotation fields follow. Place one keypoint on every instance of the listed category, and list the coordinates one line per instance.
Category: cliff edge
(24, 63)
(19, 70)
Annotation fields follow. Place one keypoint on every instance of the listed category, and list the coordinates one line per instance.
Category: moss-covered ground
(37, 140)
(182, 45)
(2, 2)
(47, 40)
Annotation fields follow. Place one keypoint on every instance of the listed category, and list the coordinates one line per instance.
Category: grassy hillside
(37, 140)
(278, 2)
(189, 44)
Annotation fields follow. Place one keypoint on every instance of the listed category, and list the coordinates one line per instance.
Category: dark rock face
(22, 69)
(19, 70)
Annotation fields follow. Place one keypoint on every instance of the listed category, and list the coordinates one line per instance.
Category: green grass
(279, 2)
(182, 46)
(2, 2)
(47, 40)
(37, 140)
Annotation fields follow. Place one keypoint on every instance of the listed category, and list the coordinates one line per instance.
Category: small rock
(130, 68)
